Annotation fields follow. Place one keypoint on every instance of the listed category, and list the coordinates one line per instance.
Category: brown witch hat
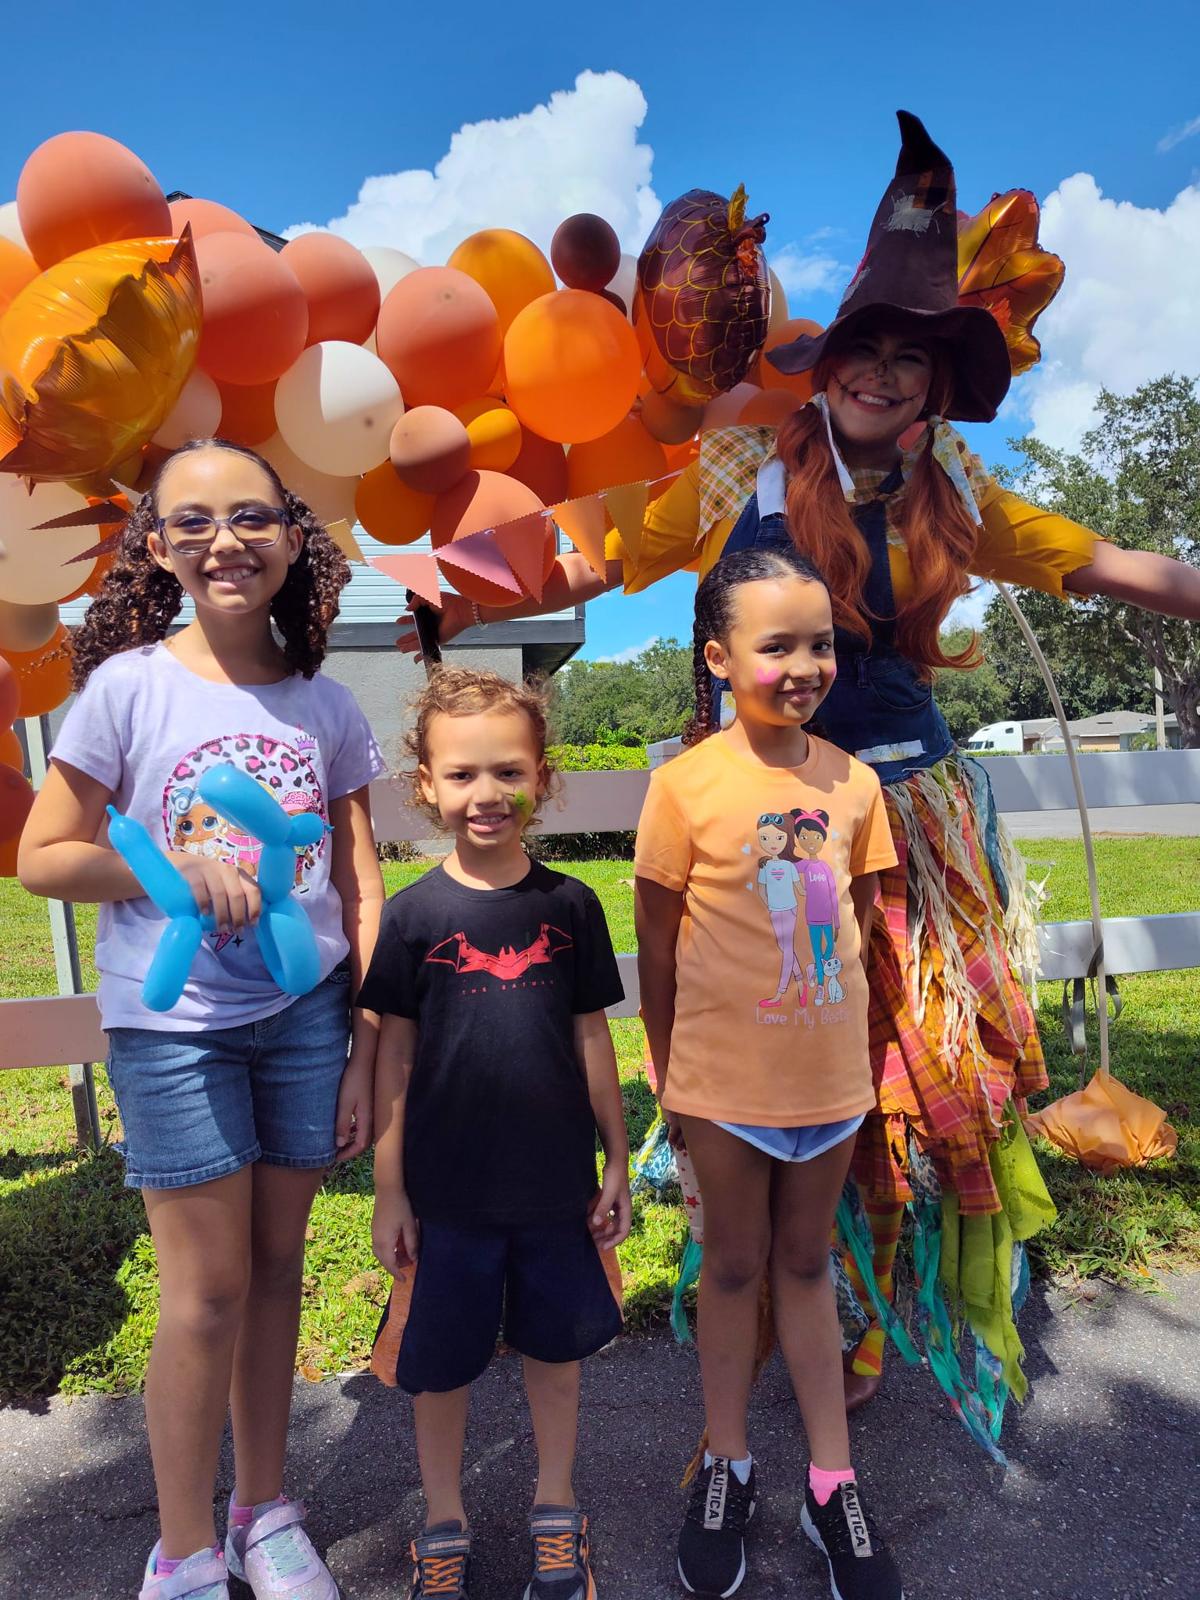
(910, 267)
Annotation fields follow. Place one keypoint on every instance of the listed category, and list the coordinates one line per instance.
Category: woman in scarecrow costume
(873, 484)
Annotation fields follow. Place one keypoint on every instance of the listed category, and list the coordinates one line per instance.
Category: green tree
(625, 702)
(969, 698)
(1136, 481)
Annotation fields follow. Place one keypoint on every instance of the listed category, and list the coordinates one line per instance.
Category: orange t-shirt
(771, 997)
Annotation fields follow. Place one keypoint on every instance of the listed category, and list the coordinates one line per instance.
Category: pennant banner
(585, 523)
(481, 556)
(342, 535)
(523, 544)
(627, 507)
(416, 572)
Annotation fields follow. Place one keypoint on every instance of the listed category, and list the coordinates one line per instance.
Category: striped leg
(885, 1219)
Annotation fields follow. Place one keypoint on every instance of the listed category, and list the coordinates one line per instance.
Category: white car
(998, 738)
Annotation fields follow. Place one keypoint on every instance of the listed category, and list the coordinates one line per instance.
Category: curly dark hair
(138, 600)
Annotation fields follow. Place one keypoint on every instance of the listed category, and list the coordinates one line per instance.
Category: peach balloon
(336, 406)
(430, 450)
(440, 335)
(389, 266)
(724, 410)
(207, 216)
(81, 189)
(195, 415)
(339, 284)
(494, 432)
(778, 315)
(332, 499)
(509, 268)
(43, 676)
(797, 383)
(36, 564)
(542, 467)
(10, 694)
(17, 268)
(389, 510)
(247, 412)
(255, 313)
(16, 797)
(11, 753)
(10, 225)
(572, 366)
(625, 455)
(479, 501)
(770, 407)
(27, 627)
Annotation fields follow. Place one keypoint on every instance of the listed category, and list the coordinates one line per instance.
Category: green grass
(78, 1264)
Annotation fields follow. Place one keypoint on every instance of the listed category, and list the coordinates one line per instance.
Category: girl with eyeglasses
(236, 1102)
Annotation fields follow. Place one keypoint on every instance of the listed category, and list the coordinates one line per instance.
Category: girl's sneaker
(200, 1577)
(561, 1566)
(273, 1554)
(712, 1541)
(441, 1562)
(860, 1565)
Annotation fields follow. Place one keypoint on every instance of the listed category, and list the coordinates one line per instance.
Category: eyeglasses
(255, 527)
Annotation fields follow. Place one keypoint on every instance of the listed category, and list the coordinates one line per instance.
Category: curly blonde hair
(467, 692)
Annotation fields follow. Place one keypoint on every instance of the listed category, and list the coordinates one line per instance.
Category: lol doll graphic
(818, 886)
(779, 889)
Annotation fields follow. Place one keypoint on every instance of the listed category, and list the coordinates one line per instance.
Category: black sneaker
(860, 1565)
(441, 1562)
(712, 1551)
(561, 1570)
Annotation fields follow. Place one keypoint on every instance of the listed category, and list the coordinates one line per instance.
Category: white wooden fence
(66, 1028)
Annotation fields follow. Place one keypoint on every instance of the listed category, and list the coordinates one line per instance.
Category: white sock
(741, 1469)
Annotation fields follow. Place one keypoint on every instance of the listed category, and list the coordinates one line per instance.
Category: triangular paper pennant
(482, 557)
(415, 571)
(85, 517)
(627, 507)
(523, 543)
(584, 521)
(342, 536)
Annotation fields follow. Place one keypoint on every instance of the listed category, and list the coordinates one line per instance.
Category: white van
(998, 738)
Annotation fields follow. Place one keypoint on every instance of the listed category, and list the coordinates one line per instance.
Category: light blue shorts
(197, 1106)
(795, 1144)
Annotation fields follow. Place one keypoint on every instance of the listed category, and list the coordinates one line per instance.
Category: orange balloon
(572, 365)
(388, 510)
(11, 754)
(507, 266)
(439, 334)
(724, 410)
(482, 500)
(339, 284)
(8, 857)
(207, 216)
(667, 420)
(625, 455)
(247, 412)
(17, 268)
(430, 449)
(682, 455)
(770, 407)
(10, 694)
(43, 676)
(96, 350)
(798, 383)
(16, 797)
(84, 189)
(494, 434)
(255, 313)
(542, 467)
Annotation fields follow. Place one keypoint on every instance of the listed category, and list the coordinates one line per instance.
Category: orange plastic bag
(1105, 1126)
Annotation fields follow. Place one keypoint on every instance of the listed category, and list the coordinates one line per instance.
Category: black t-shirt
(498, 1124)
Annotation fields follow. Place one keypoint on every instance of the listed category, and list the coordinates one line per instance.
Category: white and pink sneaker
(274, 1555)
(200, 1577)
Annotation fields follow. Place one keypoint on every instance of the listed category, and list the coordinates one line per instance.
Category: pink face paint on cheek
(767, 675)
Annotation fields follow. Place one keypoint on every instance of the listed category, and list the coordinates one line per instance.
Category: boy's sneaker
(860, 1565)
(200, 1577)
(273, 1554)
(712, 1552)
(561, 1570)
(441, 1562)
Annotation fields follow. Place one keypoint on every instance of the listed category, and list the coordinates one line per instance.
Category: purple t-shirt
(147, 728)
(820, 892)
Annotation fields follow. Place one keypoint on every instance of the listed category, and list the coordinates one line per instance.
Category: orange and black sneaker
(561, 1570)
(441, 1562)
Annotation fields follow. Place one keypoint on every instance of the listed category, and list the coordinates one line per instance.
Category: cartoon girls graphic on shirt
(818, 891)
(285, 771)
(778, 889)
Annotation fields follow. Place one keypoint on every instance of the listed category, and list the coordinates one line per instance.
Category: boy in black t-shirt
(495, 1071)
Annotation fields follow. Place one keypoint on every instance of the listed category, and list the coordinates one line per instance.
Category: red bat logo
(507, 964)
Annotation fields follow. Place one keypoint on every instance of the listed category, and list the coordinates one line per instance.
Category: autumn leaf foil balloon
(93, 355)
(1002, 268)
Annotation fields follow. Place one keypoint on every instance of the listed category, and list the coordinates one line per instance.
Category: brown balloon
(668, 422)
(585, 252)
(430, 449)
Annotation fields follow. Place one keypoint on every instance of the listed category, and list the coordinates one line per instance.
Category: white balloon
(336, 406)
(389, 266)
(623, 283)
(331, 498)
(195, 415)
(10, 224)
(779, 312)
(33, 569)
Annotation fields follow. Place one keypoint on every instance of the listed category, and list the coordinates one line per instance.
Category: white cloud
(804, 272)
(578, 152)
(1128, 311)
(630, 653)
(1178, 135)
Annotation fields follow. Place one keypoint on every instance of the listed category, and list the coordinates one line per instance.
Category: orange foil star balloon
(1002, 268)
(93, 354)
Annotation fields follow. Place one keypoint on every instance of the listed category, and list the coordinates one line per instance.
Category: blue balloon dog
(285, 936)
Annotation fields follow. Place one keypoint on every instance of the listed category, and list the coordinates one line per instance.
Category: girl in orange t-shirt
(760, 847)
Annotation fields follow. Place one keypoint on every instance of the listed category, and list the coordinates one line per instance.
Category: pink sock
(166, 1565)
(823, 1483)
(240, 1516)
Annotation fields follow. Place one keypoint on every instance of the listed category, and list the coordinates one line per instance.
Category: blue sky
(282, 112)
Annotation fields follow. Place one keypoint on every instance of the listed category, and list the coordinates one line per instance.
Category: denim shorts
(197, 1106)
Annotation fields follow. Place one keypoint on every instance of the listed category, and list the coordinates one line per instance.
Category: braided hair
(715, 614)
(139, 600)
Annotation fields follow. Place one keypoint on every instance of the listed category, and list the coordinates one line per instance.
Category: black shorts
(545, 1286)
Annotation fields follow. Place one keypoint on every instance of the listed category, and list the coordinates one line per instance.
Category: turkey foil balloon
(1002, 268)
(93, 355)
(704, 295)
